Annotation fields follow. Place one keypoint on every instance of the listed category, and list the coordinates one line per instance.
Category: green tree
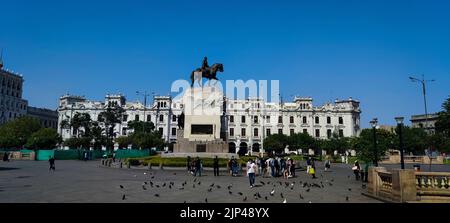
(140, 126)
(78, 143)
(81, 123)
(147, 140)
(300, 141)
(15, 134)
(124, 141)
(46, 138)
(109, 118)
(443, 122)
(275, 143)
(414, 140)
(364, 145)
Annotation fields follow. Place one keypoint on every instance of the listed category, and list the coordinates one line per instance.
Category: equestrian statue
(206, 71)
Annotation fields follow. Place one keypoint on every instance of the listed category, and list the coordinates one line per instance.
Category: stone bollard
(110, 162)
(161, 166)
(103, 162)
(121, 165)
(150, 166)
(129, 165)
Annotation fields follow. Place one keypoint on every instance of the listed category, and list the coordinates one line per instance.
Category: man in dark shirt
(52, 163)
(216, 166)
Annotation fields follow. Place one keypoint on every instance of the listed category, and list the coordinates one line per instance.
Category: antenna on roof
(1, 59)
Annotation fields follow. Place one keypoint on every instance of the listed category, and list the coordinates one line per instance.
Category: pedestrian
(230, 167)
(312, 169)
(272, 167)
(356, 168)
(114, 157)
(277, 166)
(52, 163)
(308, 164)
(5, 157)
(188, 164)
(292, 167)
(251, 169)
(85, 156)
(327, 165)
(216, 166)
(198, 167)
(235, 167)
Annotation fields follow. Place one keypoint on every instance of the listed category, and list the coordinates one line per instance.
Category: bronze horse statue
(209, 73)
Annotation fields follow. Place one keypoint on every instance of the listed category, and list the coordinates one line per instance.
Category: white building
(11, 103)
(247, 121)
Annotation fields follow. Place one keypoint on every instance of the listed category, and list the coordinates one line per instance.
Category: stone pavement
(79, 181)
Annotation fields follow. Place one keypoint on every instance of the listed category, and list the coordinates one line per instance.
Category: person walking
(251, 170)
(312, 169)
(5, 157)
(216, 166)
(198, 167)
(52, 164)
(356, 169)
(327, 165)
(308, 164)
(188, 164)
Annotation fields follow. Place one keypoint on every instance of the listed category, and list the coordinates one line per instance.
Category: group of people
(277, 167)
(195, 166)
(361, 174)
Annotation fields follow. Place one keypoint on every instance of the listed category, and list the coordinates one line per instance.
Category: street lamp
(399, 121)
(423, 82)
(145, 106)
(374, 124)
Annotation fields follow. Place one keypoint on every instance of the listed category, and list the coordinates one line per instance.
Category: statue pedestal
(203, 109)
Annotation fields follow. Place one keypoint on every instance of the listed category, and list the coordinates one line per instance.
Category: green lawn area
(446, 161)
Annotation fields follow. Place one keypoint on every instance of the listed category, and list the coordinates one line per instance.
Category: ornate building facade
(11, 103)
(248, 121)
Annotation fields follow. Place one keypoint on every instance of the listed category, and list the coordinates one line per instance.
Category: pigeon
(145, 182)
(280, 183)
(199, 182)
(170, 186)
(305, 184)
(332, 180)
(230, 192)
(218, 186)
(245, 199)
(157, 186)
(286, 183)
(184, 202)
(172, 183)
(210, 189)
(195, 179)
(281, 194)
(152, 177)
(164, 184)
(229, 187)
(156, 195)
(212, 185)
(262, 183)
(330, 184)
(301, 197)
(182, 188)
(272, 192)
(363, 186)
(308, 190)
(284, 202)
(265, 198)
(346, 198)
(206, 200)
(259, 195)
(349, 189)
(193, 185)
(292, 188)
(240, 193)
(143, 187)
(121, 186)
(145, 173)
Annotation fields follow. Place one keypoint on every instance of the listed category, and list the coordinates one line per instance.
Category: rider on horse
(205, 63)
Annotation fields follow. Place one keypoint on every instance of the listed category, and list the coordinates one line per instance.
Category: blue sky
(324, 49)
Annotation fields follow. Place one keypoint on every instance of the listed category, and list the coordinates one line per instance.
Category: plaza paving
(79, 181)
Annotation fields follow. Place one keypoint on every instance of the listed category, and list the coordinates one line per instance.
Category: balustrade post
(404, 185)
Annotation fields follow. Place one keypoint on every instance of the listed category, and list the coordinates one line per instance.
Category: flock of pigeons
(275, 188)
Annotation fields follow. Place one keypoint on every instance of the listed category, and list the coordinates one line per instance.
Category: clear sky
(323, 49)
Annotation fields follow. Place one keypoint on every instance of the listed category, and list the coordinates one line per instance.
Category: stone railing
(433, 186)
(408, 185)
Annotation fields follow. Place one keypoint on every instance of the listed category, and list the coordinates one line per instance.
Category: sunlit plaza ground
(79, 181)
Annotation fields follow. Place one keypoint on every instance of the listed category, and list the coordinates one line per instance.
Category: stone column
(374, 181)
(404, 185)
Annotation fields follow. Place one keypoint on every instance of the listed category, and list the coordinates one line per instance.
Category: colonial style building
(248, 122)
(425, 122)
(47, 117)
(11, 103)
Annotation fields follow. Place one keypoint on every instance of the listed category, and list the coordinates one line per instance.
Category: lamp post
(145, 106)
(423, 82)
(374, 124)
(399, 121)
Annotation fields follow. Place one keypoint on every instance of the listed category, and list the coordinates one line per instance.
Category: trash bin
(417, 167)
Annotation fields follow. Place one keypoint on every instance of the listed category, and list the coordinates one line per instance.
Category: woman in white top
(251, 170)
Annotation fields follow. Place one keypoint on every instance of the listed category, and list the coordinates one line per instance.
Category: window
(317, 133)
(341, 133)
(341, 121)
(317, 120)
(268, 119)
(243, 119)
(280, 131)
(136, 117)
(174, 118)
(329, 133)
(328, 120)
(124, 131)
(161, 118)
(291, 119)
(231, 131)
(280, 119)
(149, 118)
(201, 129)
(174, 131)
(305, 131)
(231, 119)
(255, 119)
(304, 119)
(255, 132)
(292, 132)
(160, 130)
(243, 132)
(268, 133)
